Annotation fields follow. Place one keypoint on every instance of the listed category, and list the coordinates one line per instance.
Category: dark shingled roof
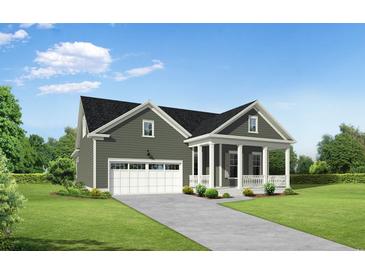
(99, 111)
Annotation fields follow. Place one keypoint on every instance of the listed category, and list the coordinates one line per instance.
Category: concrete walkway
(220, 228)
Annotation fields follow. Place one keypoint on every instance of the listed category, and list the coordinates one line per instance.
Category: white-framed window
(148, 128)
(232, 164)
(83, 126)
(256, 163)
(252, 124)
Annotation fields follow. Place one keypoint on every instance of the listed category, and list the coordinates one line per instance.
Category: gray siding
(240, 128)
(85, 165)
(126, 141)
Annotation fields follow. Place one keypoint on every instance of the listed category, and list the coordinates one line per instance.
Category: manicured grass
(53, 222)
(335, 212)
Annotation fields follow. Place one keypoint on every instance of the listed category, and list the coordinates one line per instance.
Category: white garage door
(145, 177)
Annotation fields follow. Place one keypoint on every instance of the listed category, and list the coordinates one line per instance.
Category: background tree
(304, 163)
(319, 167)
(344, 152)
(11, 201)
(11, 134)
(43, 153)
(66, 143)
(277, 161)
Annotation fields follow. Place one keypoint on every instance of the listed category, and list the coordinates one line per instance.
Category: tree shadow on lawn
(34, 244)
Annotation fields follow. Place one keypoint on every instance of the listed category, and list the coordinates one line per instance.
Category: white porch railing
(277, 180)
(193, 180)
(252, 180)
(256, 181)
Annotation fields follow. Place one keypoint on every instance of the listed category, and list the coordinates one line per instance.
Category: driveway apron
(219, 228)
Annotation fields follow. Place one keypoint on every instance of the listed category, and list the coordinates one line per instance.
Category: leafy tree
(11, 201)
(66, 144)
(304, 163)
(62, 171)
(342, 152)
(319, 167)
(277, 161)
(43, 152)
(27, 157)
(11, 134)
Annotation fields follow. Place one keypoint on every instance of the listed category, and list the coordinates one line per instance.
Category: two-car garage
(130, 176)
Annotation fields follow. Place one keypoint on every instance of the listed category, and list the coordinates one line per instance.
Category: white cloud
(38, 26)
(7, 38)
(68, 88)
(138, 72)
(69, 59)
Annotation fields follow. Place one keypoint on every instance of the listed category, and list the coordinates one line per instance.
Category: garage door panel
(145, 178)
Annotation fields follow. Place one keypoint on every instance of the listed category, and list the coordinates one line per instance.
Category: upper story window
(252, 124)
(83, 126)
(148, 128)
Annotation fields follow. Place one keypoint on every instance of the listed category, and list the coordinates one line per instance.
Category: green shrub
(327, 178)
(188, 190)
(62, 171)
(106, 195)
(95, 192)
(269, 188)
(248, 192)
(289, 191)
(359, 169)
(11, 200)
(200, 190)
(319, 167)
(80, 185)
(211, 193)
(226, 195)
(31, 178)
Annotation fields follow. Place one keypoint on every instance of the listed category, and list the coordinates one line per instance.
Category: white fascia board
(270, 117)
(167, 118)
(78, 129)
(232, 139)
(234, 118)
(271, 124)
(98, 135)
(75, 153)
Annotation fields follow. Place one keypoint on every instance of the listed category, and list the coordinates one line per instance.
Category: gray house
(131, 148)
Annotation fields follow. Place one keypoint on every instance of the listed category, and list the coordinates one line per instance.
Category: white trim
(75, 153)
(234, 137)
(211, 165)
(98, 135)
(239, 166)
(270, 124)
(264, 163)
(287, 167)
(167, 118)
(153, 128)
(259, 154)
(257, 124)
(83, 126)
(220, 166)
(146, 161)
(200, 163)
(266, 113)
(192, 160)
(234, 118)
(94, 163)
(229, 163)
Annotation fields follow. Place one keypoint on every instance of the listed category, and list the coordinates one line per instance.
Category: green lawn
(335, 212)
(54, 222)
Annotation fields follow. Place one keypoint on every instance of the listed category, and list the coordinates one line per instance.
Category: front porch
(234, 163)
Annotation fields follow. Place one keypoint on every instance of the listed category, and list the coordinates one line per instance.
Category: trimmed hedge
(328, 178)
(31, 178)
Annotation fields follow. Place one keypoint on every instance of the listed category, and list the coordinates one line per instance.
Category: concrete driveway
(220, 228)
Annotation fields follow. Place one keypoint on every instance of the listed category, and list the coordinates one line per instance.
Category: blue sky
(309, 76)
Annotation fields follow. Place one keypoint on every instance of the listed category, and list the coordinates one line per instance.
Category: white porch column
(200, 163)
(264, 164)
(220, 166)
(211, 165)
(239, 166)
(192, 160)
(287, 167)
